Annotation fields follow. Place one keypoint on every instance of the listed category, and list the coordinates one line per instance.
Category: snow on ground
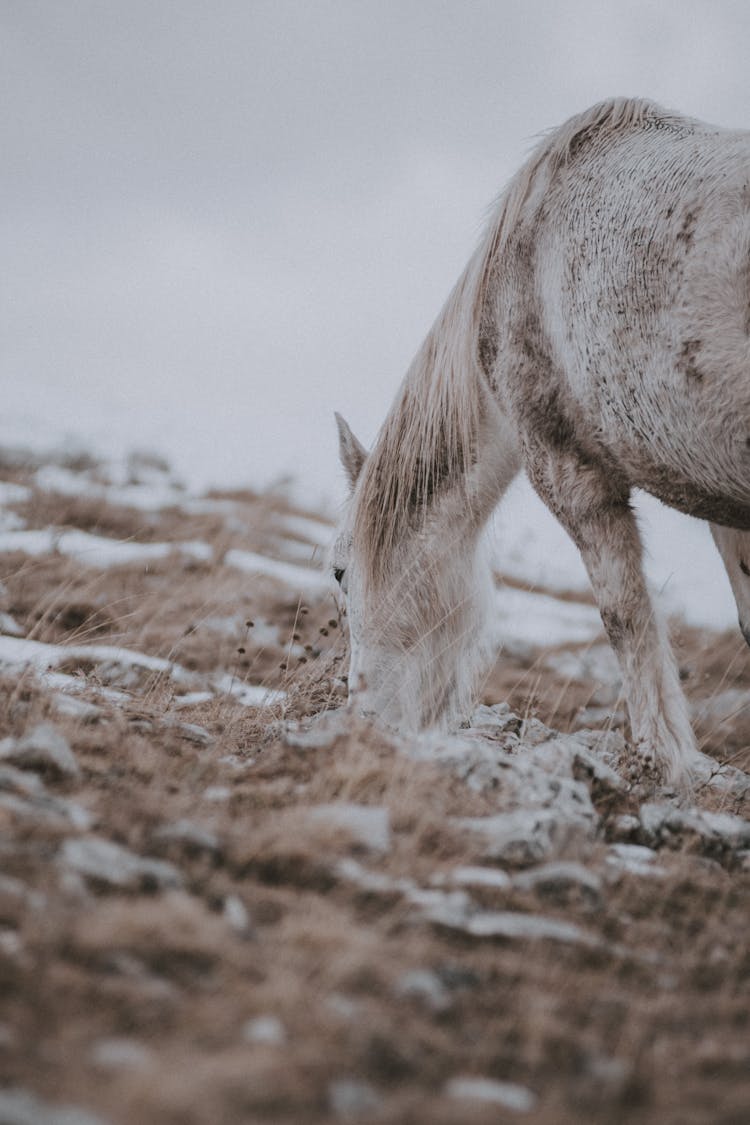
(96, 550)
(526, 617)
(298, 577)
(683, 566)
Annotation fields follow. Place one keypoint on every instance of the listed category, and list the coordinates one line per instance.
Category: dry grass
(650, 1027)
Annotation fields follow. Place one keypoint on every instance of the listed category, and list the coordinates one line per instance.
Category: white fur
(599, 338)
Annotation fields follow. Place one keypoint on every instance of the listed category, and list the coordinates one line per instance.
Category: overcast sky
(222, 221)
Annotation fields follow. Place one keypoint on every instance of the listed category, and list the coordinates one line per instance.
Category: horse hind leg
(734, 548)
(593, 504)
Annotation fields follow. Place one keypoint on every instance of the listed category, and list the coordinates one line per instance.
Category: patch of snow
(268, 1030)
(636, 859)
(10, 626)
(43, 747)
(106, 862)
(153, 496)
(519, 927)
(350, 1098)
(10, 521)
(598, 663)
(249, 695)
(12, 493)
(120, 1054)
(315, 531)
(19, 1107)
(424, 985)
(527, 836)
(19, 653)
(469, 876)
(191, 698)
(368, 825)
(300, 578)
(539, 619)
(236, 914)
(488, 1090)
(217, 793)
(96, 550)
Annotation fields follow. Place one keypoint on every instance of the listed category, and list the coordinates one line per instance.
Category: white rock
(662, 822)
(529, 836)
(488, 1090)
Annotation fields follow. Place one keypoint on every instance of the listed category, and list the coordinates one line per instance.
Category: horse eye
(338, 574)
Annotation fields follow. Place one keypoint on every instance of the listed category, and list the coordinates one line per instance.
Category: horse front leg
(593, 505)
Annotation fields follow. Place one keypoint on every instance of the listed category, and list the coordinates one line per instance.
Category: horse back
(626, 295)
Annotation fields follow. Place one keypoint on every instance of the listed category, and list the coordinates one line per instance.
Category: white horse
(599, 338)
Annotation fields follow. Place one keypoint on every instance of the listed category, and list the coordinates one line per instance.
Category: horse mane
(429, 438)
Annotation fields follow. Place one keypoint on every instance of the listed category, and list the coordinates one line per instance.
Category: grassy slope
(651, 1027)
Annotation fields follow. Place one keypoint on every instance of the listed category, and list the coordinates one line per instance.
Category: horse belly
(679, 444)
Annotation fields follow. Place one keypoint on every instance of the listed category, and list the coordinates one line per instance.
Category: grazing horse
(599, 338)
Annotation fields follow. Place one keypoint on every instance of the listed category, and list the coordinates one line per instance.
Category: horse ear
(351, 451)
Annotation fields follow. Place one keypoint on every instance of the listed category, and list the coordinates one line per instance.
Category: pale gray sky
(223, 220)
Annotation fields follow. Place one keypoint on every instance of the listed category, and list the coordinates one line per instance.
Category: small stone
(268, 1030)
(349, 1097)
(488, 1090)
(44, 747)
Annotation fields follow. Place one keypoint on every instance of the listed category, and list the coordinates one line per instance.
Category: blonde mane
(429, 438)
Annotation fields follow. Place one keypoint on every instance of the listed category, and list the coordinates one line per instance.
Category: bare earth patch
(225, 899)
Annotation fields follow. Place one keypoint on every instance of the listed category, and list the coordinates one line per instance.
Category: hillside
(224, 899)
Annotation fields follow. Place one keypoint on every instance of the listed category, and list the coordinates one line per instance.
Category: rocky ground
(225, 900)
